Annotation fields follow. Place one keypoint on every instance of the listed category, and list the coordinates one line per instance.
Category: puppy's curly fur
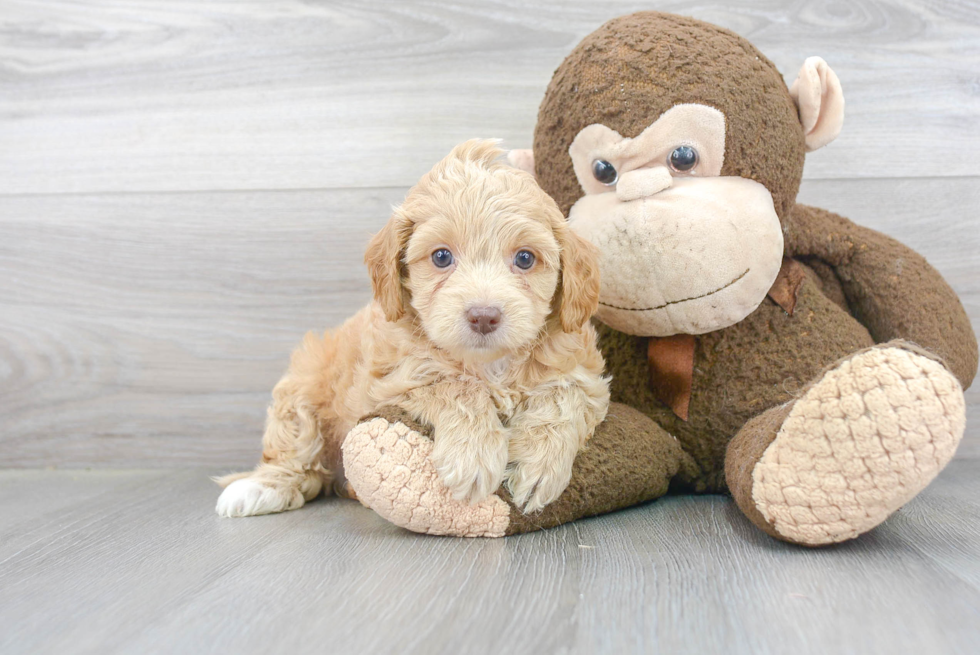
(498, 356)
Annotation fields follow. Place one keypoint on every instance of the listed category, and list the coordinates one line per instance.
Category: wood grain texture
(140, 329)
(145, 330)
(168, 95)
(187, 187)
(137, 562)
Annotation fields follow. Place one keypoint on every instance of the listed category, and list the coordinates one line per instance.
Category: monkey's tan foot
(386, 461)
(862, 441)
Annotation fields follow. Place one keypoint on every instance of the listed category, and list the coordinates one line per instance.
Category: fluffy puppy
(479, 327)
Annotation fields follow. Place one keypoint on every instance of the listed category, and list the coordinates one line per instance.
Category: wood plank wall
(187, 187)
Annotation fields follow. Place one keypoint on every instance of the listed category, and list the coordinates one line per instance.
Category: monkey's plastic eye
(524, 259)
(442, 258)
(604, 172)
(683, 159)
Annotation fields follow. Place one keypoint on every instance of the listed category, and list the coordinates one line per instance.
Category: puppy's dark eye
(683, 159)
(604, 172)
(442, 258)
(524, 259)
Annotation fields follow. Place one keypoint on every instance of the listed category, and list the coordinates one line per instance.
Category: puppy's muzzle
(483, 320)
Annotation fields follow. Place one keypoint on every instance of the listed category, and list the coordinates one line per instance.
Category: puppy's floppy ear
(579, 279)
(384, 261)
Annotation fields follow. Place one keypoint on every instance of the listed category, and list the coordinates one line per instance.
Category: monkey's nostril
(483, 320)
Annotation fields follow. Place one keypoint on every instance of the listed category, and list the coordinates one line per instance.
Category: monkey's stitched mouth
(677, 302)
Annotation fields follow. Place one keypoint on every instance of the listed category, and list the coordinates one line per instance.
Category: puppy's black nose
(483, 319)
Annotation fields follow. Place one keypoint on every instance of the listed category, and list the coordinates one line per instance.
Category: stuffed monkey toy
(811, 367)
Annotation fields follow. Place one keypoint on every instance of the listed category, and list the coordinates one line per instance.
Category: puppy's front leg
(545, 436)
(470, 442)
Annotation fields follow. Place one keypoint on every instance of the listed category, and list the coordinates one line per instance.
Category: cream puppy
(479, 327)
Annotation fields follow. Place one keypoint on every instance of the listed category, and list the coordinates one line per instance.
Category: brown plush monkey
(812, 367)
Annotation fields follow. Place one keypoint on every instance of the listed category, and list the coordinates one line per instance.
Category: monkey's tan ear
(522, 159)
(384, 261)
(820, 101)
(579, 280)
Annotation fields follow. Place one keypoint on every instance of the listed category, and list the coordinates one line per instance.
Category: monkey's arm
(889, 287)
(629, 460)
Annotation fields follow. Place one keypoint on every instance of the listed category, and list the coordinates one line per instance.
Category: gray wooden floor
(136, 562)
(186, 187)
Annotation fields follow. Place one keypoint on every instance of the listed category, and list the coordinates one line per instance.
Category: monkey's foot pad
(863, 441)
(388, 465)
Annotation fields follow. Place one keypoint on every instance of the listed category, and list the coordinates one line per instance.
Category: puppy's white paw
(250, 498)
(536, 483)
(470, 472)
